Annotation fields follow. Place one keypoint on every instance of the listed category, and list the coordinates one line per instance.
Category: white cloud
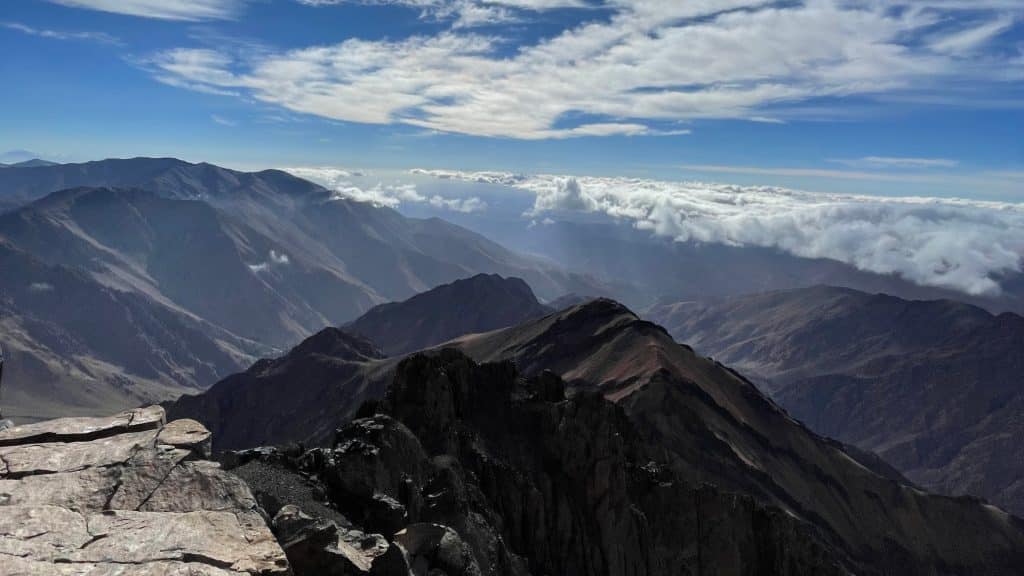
(39, 287)
(653, 63)
(500, 178)
(191, 10)
(566, 194)
(463, 14)
(223, 121)
(970, 39)
(274, 259)
(340, 181)
(278, 258)
(900, 162)
(464, 205)
(816, 173)
(101, 37)
(952, 243)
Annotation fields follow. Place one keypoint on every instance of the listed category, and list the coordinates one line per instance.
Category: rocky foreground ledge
(128, 494)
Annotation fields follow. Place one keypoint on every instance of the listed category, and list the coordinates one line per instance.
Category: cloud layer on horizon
(644, 68)
(342, 183)
(958, 244)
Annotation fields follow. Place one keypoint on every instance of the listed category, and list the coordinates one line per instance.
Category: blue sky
(857, 96)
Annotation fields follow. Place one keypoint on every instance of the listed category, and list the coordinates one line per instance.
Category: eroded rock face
(568, 486)
(127, 494)
(321, 547)
(469, 469)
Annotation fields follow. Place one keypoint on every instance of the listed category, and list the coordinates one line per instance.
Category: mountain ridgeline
(436, 419)
(254, 262)
(482, 303)
(934, 387)
(705, 424)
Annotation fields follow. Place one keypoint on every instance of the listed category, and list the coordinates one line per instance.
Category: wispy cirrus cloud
(959, 244)
(898, 162)
(883, 176)
(974, 37)
(189, 10)
(647, 65)
(218, 119)
(465, 13)
(89, 36)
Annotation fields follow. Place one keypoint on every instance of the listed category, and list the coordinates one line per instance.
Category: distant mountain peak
(339, 344)
(480, 303)
(33, 163)
(601, 307)
(168, 177)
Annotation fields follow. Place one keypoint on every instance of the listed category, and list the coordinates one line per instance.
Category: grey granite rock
(126, 495)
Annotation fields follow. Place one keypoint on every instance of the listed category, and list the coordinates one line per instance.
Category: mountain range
(707, 424)
(933, 387)
(129, 282)
(32, 163)
(254, 261)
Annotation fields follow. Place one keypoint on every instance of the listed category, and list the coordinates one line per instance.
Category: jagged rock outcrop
(317, 546)
(128, 494)
(716, 427)
(472, 470)
(698, 420)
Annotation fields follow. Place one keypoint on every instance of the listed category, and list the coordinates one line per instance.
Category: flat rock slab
(15, 566)
(126, 495)
(80, 429)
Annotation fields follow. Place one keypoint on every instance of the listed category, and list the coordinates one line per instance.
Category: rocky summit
(467, 469)
(127, 494)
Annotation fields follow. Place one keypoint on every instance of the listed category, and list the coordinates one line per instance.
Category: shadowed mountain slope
(77, 347)
(169, 177)
(476, 470)
(710, 426)
(264, 258)
(315, 258)
(481, 303)
(186, 254)
(300, 396)
(934, 387)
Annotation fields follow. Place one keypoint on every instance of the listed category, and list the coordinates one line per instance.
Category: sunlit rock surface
(128, 494)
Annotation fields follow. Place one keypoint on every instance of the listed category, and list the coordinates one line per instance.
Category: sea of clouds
(347, 184)
(964, 245)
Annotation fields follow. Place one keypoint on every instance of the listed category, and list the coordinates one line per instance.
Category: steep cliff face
(129, 494)
(472, 469)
